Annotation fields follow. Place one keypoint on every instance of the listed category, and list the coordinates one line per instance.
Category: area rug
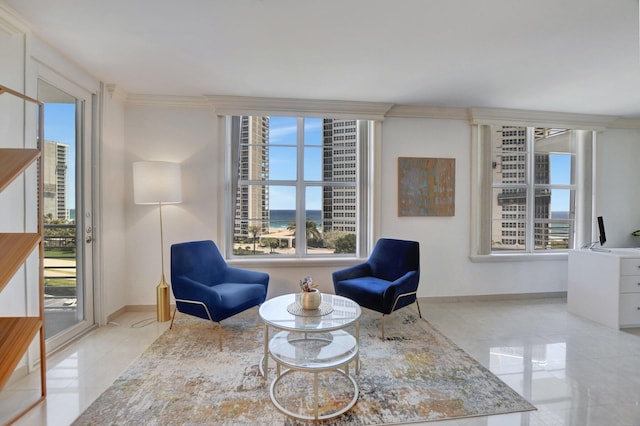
(415, 375)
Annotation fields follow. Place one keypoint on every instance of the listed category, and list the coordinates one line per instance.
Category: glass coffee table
(313, 342)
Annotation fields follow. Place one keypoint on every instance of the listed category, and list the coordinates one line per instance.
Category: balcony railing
(60, 260)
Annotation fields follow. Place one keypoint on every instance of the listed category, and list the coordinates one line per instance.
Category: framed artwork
(426, 186)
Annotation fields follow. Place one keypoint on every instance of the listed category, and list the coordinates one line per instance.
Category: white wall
(12, 71)
(444, 241)
(182, 135)
(618, 179)
(187, 135)
(111, 236)
(190, 136)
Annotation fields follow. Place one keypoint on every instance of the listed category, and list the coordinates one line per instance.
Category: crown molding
(230, 105)
(197, 102)
(499, 116)
(11, 23)
(245, 105)
(410, 111)
(626, 123)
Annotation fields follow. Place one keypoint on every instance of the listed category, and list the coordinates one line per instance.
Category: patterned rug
(415, 375)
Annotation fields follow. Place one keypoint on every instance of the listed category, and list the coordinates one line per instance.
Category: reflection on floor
(58, 320)
(574, 371)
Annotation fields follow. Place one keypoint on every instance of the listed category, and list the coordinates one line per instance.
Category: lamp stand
(162, 290)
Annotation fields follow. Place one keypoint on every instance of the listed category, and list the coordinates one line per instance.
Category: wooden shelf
(13, 162)
(16, 334)
(14, 250)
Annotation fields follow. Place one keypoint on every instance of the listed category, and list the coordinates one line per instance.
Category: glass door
(68, 225)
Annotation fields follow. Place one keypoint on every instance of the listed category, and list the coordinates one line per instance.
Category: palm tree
(311, 228)
(271, 242)
(254, 230)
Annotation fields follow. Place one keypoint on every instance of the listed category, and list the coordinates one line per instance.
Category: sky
(59, 126)
(560, 174)
(283, 133)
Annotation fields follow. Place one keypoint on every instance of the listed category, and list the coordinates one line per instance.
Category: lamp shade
(156, 182)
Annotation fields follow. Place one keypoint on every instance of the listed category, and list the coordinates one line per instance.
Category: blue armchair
(387, 281)
(206, 287)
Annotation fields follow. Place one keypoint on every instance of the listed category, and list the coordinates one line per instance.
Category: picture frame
(426, 186)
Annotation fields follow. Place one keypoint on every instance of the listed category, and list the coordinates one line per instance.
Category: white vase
(311, 299)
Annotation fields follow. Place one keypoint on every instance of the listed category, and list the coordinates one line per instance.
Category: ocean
(282, 218)
(559, 230)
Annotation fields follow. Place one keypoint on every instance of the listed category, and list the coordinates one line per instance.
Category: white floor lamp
(158, 182)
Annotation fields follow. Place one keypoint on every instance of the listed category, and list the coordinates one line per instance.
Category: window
(290, 174)
(534, 189)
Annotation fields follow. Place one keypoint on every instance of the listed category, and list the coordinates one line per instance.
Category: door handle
(89, 238)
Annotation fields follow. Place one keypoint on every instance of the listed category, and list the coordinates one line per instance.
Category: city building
(55, 180)
(509, 210)
(252, 202)
(339, 164)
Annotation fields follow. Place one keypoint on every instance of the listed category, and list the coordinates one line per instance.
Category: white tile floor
(80, 372)
(574, 371)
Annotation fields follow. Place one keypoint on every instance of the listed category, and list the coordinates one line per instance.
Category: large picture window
(535, 189)
(296, 186)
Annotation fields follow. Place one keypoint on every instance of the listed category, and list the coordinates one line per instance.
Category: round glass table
(312, 341)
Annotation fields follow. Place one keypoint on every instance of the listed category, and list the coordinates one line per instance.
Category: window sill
(271, 262)
(520, 257)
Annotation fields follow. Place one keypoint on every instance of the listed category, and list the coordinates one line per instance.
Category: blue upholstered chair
(206, 287)
(387, 281)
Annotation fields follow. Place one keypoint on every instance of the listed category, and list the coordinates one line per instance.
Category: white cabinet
(604, 286)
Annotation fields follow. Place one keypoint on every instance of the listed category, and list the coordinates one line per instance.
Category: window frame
(526, 183)
(364, 183)
(482, 189)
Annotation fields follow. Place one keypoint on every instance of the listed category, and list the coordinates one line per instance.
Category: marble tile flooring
(574, 371)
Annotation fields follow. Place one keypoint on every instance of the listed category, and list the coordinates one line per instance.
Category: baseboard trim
(116, 314)
(471, 298)
(496, 297)
(140, 308)
(134, 308)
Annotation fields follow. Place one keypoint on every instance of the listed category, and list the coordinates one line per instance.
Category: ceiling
(579, 56)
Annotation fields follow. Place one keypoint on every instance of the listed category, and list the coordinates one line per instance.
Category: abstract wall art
(426, 186)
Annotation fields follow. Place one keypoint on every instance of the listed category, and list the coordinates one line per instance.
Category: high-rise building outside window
(534, 189)
(55, 180)
(296, 185)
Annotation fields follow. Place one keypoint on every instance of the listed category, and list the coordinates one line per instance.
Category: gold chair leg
(419, 314)
(208, 314)
(173, 317)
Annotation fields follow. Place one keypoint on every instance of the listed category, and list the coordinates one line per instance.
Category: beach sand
(282, 234)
